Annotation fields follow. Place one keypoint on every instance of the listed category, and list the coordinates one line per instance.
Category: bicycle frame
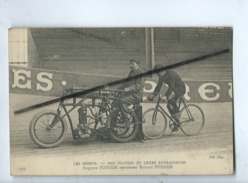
(181, 102)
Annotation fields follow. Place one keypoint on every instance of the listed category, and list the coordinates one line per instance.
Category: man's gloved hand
(127, 90)
(151, 97)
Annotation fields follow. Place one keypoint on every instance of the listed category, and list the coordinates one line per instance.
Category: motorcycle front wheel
(43, 133)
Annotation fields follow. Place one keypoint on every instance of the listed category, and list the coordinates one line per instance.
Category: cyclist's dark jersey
(174, 81)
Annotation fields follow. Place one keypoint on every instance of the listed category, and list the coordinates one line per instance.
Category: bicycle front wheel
(42, 134)
(155, 123)
(191, 120)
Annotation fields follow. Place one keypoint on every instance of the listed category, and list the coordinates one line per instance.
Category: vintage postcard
(121, 101)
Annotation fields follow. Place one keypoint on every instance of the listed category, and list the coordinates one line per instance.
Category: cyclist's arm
(158, 87)
(170, 80)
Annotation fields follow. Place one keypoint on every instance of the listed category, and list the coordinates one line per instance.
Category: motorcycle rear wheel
(122, 133)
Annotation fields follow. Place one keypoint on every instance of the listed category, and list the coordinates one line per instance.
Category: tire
(191, 127)
(125, 133)
(157, 130)
(37, 129)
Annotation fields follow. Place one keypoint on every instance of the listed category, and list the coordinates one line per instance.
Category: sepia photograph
(121, 101)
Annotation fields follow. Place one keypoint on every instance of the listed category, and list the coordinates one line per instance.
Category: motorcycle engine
(84, 131)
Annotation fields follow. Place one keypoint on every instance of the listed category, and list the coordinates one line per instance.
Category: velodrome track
(217, 134)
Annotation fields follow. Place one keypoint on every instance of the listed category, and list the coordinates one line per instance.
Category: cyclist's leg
(125, 102)
(128, 100)
(174, 111)
(173, 108)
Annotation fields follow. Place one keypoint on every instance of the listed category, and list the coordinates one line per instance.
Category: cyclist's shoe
(175, 125)
(175, 128)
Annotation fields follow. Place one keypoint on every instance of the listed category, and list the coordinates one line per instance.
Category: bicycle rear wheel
(41, 133)
(155, 123)
(191, 120)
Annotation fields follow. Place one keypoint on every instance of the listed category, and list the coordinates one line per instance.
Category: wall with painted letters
(52, 83)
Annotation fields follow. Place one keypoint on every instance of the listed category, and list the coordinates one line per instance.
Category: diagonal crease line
(120, 81)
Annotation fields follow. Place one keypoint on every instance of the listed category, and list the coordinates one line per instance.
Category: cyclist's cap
(136, 61)
(158, 66)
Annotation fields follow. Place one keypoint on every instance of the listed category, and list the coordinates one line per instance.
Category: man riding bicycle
(175, 91)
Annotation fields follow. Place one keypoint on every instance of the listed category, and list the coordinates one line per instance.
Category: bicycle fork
(188, 111)
(55, 119)
(154, 116)
(191, 118)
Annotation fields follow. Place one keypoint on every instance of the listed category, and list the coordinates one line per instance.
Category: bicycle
(101, 116)
(191, 120)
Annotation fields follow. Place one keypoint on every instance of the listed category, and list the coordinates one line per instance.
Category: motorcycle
(99, 113)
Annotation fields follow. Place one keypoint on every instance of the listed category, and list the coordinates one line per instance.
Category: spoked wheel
(155, 123)
(41, 131)
(120, 130)
(191, 120)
